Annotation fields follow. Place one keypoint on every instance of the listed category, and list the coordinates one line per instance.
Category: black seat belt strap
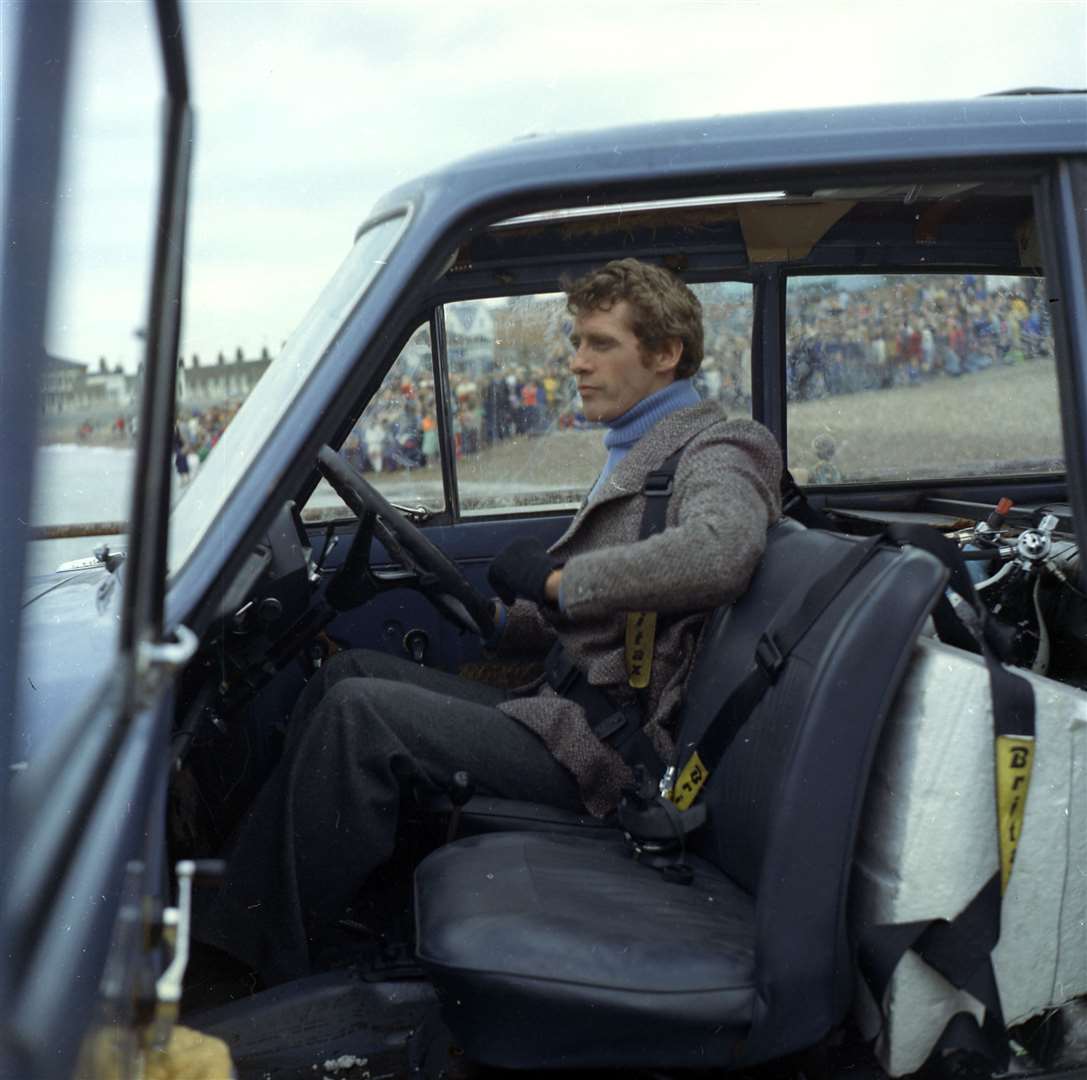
(641, 630)
(794, 504)
(960, 949)
(657, 489)
(771, 654)
(620, 726)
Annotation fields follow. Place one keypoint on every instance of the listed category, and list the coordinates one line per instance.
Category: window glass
(90, 389)
(244, 430)
(521, 439)
(727, 316)
(909, 377)
(395, 441)
(96, 324)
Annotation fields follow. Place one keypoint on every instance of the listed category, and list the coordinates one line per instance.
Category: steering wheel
(430, 570)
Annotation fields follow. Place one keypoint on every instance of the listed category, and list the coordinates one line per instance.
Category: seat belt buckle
(769, 657)
(667, 782)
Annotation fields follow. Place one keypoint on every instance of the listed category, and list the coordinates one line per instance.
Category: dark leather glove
(521, 570)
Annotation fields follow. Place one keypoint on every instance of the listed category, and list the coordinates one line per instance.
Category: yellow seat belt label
(689, 782)
(641, 633)
(1014, 760)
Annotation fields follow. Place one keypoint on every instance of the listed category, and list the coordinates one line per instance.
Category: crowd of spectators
(196, 433)
(905, 330)
(399, 429)
(893, 331)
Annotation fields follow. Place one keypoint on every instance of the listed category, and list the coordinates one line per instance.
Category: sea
(82, 483)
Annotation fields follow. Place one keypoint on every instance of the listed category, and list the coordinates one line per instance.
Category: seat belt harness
(618, 725)
(960, 949)
(641, 630)
(771, 654)
(621, 725)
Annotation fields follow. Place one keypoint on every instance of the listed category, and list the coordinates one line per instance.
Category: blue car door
(84, 883)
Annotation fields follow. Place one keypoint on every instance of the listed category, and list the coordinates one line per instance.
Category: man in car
(371, 732)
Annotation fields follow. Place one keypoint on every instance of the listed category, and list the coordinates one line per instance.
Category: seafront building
(75, 394)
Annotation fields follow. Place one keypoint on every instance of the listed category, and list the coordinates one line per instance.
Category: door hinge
(169, 656)
(158, 661)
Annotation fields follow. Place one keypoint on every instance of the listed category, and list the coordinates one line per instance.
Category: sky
(307, 112)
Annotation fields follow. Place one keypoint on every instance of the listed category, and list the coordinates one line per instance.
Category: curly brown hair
(662, 306)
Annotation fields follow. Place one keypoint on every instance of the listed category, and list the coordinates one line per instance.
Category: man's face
(612, 371)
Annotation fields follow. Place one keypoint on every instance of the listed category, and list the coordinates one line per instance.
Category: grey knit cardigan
(725, 497)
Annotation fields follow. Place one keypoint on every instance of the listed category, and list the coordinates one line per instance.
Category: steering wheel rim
(448, 582)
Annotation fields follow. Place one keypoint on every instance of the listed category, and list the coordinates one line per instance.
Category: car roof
(724, 148)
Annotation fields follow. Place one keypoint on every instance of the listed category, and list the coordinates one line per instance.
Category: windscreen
(239, 429)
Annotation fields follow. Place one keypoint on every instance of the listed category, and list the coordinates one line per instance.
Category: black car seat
(558, 950)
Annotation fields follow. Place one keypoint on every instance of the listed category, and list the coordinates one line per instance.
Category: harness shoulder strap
(771, 654)
(621, 726)
(794, 504)
(657, 489)
(641, 629)
(961, 948)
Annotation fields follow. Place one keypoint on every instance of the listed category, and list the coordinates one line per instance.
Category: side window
(728, 314)
(909, 377)
(92, 383)
(521, 439)
(395, 441)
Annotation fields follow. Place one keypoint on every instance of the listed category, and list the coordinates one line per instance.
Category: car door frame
(1061, 205)
(89, 816)
(31, 167)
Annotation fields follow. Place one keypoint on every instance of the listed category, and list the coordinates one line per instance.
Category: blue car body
(68, 644)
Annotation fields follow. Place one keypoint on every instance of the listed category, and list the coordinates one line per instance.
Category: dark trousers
(369, 734)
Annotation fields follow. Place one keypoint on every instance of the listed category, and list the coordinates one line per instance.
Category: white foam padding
(928, 844)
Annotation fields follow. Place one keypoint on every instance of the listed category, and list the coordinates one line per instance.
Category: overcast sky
(307, 112)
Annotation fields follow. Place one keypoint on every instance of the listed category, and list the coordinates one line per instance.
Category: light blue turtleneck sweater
(627, 429)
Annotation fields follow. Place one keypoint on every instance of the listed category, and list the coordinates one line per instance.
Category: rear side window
(903, 377)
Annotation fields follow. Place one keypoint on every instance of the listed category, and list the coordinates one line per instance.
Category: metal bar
(446, 442)
(768, 354)
(1061, 204)
(76, 532)
(32, 156)
(142, 617)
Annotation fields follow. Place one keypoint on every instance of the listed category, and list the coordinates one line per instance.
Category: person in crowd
(375, 444)
(181, 457)
(825, 471)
